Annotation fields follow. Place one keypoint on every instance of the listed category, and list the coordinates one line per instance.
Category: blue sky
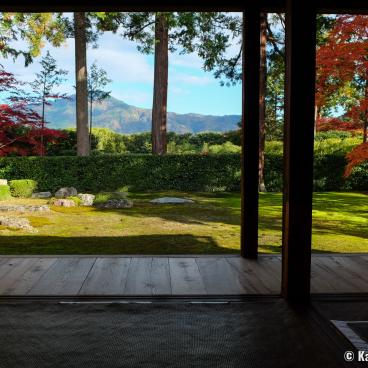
(191, 90)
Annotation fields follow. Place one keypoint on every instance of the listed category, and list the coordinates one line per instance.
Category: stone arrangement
(62, 198)
(17, 223)
(24, 208)
(42, 195)
(66, 192)
(171, 200)
(116, 203)
(86, 199)
(63, 202)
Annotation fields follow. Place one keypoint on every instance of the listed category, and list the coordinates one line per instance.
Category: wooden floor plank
(185, 277)
(12, 270)
(138, 279)
(108, 276)
(64, 277)
(352, 271)
(329, 271)
(253, 276)
(160, 276)
(147, 276)
(219, 277)
(320, 279)
(29, 278)
(8, 264)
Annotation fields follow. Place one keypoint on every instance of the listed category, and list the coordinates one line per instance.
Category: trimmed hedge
(4, 192)
(188, 172)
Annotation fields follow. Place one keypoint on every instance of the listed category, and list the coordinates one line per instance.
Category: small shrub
(226, 147)
(105, 196)
(76, 200)
(4, 192)
(22, 188)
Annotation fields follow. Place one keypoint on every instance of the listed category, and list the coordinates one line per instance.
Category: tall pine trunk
(315, 119)
(81, 84)
(90, 121)
(262, 102)
(160, 85)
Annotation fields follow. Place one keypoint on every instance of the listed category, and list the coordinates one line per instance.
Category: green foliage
(4, 192)
(227, 147)
(320, 136)
(103, 197)
(335, 145)
(107, 141)
(76, 200)
(23, 187)
(184, 172)
(49, 78)
(136, 172)
(34, 29)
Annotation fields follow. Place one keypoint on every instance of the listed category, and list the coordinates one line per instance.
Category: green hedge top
(138, 172)
(186, 172)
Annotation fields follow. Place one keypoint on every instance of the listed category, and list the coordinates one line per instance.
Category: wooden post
(298, 150)
(250, 133)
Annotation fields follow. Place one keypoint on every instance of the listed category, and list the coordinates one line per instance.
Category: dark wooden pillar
(298, 150)
(250, 133)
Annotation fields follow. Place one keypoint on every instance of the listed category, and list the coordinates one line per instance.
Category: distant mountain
(123, 118)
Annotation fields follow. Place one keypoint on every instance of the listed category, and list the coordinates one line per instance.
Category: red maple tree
(358, 155)
(20, 126)
(343, 60)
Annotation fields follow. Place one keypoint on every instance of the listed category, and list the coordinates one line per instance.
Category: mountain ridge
(124, 118)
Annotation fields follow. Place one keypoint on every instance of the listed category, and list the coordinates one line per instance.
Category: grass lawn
(210, 225)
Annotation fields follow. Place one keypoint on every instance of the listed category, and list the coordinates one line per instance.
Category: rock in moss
(61, 202)
(66, 192)
(41, 195)
(86, 199)
(116, 203)
(17, 223)
(171, 200)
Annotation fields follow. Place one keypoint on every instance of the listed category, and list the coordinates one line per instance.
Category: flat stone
(17, 223)
(116, 203)
(64, 202)
(24, 208)
(66, 192)
(87, 199)
(3, 182)
(41, 195)
(171, 200)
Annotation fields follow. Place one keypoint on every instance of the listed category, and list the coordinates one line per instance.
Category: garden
(110, 204)
(84, 172)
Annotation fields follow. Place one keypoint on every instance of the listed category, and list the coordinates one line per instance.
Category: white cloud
(126, 66)
(177, 90)
(186, 60)
(191, 79)
(133, 97)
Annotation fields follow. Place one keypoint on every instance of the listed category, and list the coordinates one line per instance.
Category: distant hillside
(124, 118)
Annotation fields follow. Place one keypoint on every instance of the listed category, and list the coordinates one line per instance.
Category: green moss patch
(39, 221)
(211, 225)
